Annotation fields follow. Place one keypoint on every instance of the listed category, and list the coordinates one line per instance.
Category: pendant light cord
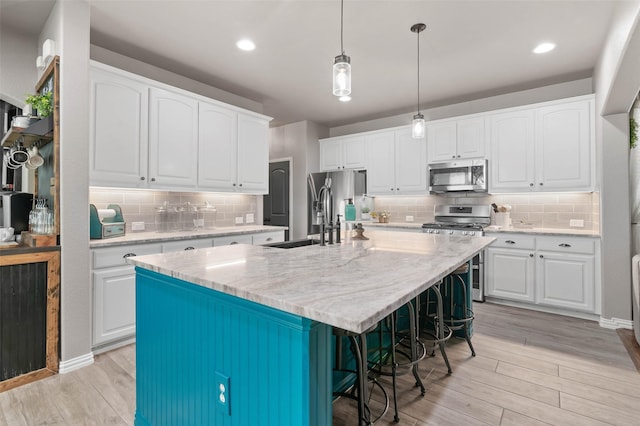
(342, 26)
(418, 33)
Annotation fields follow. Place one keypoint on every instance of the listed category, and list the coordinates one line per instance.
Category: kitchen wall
(140, 205)
(20, 77)
(553, 210)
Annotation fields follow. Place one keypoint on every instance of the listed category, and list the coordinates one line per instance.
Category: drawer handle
(269, 239)
(189, 248)
(233, 242)
(564, 245)
(128, 255)
(510, 242)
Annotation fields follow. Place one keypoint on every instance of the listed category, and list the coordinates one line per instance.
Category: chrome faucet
(324, 214)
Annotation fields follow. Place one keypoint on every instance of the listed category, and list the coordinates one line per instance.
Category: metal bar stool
(399, 350)
(459, 315)
(431, 319)
(359, 391)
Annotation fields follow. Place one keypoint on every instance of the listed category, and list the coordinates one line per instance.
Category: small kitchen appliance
(458, 176)
(14, 210)
(464, 220)
(106, 223)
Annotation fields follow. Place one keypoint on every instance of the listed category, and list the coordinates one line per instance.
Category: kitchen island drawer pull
(564, 245)
(269, 239)
(129, 255)
(510, 242)
(189, 248)
(233, 242)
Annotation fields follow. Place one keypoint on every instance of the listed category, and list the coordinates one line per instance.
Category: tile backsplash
(552, 210)
(140, 205)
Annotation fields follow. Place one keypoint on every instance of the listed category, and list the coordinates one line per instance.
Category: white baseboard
(75, 363)
(614, 323)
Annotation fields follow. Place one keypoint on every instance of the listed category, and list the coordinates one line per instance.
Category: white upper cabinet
(145, 134)
(543, 148)
(217, 147)
(118, 130)
(396, 163)
(455, 139)
(563, 144)
(381, 167)
(173, 139)
(233, 151)
(344, 152)
(253, 154)
(512, 151)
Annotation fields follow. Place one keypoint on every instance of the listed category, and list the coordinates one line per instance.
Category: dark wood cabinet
(29, 316)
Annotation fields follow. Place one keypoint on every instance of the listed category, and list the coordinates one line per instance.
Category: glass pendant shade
(342, 76)
(418, 127)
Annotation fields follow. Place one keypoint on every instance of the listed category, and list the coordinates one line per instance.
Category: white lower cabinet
(268, 238)
(233, 239)
(554, 271)
(114, 281)
(114, 292)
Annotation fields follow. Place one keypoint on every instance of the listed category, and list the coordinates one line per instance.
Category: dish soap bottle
(350, 211)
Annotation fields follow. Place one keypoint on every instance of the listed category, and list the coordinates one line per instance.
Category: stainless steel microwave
(460, 175)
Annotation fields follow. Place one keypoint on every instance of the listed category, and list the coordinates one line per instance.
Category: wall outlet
(249, 218)
(239, 220)
(137, 226)
(576, 223)
(408, 218)
(222, 391)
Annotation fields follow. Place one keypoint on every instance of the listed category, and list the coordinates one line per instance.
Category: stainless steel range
(467, 220)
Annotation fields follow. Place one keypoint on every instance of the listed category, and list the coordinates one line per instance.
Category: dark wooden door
(276, 202)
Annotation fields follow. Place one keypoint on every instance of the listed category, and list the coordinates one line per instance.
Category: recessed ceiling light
(544, 48)
(344, 98)
(246, 44)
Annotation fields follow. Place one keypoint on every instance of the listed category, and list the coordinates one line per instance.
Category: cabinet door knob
(458, 155)
(189, 248)
(240, 185)
(142, 177)
(541, 256)
(128, 255)
(397, 189)
(541, 183)
(234, 184)
(510, 242)
(453, 156)
(531, 184)
(392, 189)
(153, 179)
(530, 254)
(564, 245)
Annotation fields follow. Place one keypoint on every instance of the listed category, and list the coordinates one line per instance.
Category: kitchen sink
(293, 244)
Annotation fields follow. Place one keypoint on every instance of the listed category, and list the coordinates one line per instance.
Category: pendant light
(417, 126)
(342, 64)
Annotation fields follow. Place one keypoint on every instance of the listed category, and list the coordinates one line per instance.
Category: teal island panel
(274, 367)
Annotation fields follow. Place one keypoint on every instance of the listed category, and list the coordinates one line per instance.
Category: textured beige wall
(553, 210)
(140, 205)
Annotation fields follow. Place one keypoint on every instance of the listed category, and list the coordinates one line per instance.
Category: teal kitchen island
(241, 335)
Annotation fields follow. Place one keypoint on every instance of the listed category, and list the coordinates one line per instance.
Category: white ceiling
(470, 49)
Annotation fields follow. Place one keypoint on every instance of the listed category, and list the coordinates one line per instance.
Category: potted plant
(42, 104)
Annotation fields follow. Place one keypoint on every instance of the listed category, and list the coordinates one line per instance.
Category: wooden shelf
(41, 130)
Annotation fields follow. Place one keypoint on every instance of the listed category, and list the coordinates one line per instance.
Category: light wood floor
(531, 369)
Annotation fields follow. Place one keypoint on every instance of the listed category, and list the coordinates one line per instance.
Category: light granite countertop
(154, 237)
(352, 285)
(543, 231)
(492, 229)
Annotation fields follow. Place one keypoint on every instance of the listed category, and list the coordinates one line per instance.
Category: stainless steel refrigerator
(344, 185)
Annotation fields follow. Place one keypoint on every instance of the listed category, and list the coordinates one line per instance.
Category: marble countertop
(153, 237)
(543, 231)
(352, 285)
(493, 228)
